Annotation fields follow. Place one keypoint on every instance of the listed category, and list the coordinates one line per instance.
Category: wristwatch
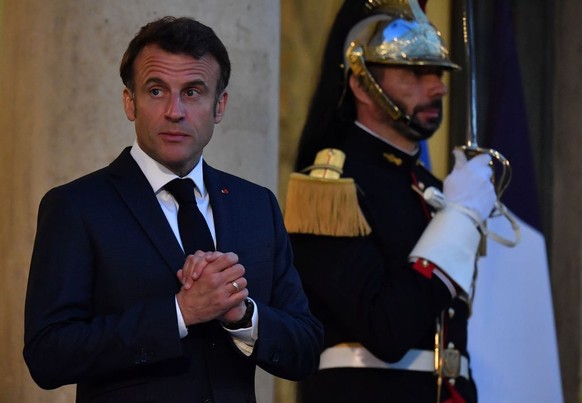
(245, 321)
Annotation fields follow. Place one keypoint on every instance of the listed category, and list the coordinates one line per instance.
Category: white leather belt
(356, 356)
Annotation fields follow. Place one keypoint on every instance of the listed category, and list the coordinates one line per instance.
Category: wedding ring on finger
(236, 286)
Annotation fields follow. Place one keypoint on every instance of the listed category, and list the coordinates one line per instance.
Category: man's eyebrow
(196, 83)
(154, 80)
(189, 84)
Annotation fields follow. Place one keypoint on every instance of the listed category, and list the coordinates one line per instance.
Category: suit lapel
(137, 193)
(223, 205)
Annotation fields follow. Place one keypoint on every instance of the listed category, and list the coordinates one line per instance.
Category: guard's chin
(417, 131)
(433, 124)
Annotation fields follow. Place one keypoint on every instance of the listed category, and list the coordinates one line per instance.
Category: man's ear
(220, 107)
(129, 104)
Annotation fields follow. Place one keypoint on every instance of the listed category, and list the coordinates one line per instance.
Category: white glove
(451, 239)
(469, 184)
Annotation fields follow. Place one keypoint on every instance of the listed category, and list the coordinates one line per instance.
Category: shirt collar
(369, 131)
(158, 175)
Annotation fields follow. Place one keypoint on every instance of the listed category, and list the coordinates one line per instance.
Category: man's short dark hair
(179, 36)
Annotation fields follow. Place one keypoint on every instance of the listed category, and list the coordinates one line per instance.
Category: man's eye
(191, 93)
(156, 92)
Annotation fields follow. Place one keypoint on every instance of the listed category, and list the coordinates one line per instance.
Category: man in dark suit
(113, 303)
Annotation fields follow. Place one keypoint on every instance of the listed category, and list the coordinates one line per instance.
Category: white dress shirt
(158, 176)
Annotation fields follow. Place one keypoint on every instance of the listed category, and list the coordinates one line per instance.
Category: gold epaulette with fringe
(322, 203)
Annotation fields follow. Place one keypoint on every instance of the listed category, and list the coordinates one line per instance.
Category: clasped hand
(208, 291)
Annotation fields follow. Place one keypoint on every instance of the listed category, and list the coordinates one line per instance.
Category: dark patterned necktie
(194, 231)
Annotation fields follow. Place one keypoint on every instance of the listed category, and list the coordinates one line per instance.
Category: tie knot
(182, 190)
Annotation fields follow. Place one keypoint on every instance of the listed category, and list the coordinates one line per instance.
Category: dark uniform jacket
(364, 290)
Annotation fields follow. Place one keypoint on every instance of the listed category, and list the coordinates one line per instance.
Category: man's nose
(175, 108)
(436, 86)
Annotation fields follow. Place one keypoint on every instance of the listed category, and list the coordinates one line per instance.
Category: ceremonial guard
(386, 259)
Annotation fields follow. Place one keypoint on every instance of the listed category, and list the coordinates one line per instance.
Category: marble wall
(61, 116)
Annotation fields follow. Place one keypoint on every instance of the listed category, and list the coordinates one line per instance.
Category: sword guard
(500, 185)
(502, 182)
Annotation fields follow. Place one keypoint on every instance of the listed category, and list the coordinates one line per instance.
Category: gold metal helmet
(397, 32)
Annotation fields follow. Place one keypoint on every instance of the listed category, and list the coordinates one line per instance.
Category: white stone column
(61, 116)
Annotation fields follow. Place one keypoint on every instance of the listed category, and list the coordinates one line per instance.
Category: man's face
(173, 106)
(418, 91)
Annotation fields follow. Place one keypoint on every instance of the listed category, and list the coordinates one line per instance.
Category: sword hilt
(500, 184)
(501, 181)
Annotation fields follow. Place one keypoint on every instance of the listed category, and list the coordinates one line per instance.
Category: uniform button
(451, 313)
(451, 345)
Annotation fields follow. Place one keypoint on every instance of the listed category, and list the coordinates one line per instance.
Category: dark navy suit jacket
(100, 309)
